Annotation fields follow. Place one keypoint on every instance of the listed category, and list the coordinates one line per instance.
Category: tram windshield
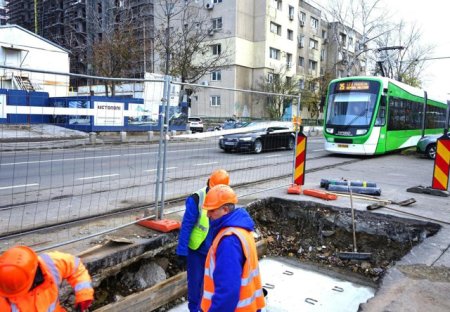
(352, 103)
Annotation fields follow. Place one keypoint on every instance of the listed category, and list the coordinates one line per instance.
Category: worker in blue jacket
(194, 239)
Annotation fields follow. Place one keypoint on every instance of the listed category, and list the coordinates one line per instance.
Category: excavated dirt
(308, 232)
(314, 233)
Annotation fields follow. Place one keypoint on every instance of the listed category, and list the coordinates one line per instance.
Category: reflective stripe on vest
(201, 228)
(82, 285)
(256, 298)
(14, 308)
(56, 278)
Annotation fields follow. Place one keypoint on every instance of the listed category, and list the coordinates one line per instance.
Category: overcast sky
(433, 18)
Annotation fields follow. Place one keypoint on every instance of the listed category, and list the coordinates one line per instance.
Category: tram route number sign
(353, 85)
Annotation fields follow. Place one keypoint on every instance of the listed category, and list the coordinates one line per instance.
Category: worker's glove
(181, 262)
(83, 305)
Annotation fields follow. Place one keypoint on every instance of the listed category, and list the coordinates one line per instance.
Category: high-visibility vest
(251, 297)
(55, 266)
(201, 228)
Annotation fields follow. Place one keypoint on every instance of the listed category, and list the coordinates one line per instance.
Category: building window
(302, 17)
(271, 77)
(301, 84)
(217, 1)
(301, 41)
(312, 65)
(290, 34)
(214, 100)
(288, 60)
(288, 80)
(314, 23)
(313, 44)
(277, 4)
(216, 49)
(274, 54)
(322, 54)
(343, 39)
(301, 61)
(350, 41)
(291, 13)
(216, 23)
(275, 28)
(324, 34)
(216, 75)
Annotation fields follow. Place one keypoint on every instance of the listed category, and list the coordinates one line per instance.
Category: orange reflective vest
(55, 266)
(251, 296)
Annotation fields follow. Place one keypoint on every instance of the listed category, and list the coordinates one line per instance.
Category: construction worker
(232, 281)
(31, 282)
(194, 239)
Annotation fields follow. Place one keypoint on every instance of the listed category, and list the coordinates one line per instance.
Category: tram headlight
(330, 130)
(361, 131)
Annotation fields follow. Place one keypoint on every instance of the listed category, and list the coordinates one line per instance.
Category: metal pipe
(167, 80)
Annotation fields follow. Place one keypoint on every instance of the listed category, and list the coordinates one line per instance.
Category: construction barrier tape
(441, 164)
(300, 157)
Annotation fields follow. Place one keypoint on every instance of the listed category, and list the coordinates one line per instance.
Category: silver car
(427, 145)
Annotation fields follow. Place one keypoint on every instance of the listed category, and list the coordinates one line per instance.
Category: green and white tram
(375, 115)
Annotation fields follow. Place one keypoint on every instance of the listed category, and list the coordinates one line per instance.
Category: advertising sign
(108, 114)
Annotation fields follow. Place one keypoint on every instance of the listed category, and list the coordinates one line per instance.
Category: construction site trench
(145, 275)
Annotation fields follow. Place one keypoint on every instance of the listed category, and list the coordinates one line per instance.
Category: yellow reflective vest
(201, 228)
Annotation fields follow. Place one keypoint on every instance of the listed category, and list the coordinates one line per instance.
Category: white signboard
(2, 105)
(108, 114)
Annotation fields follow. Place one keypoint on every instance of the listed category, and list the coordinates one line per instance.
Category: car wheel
(227, 150)
(257, 147)
(291, 143)
(431, 151)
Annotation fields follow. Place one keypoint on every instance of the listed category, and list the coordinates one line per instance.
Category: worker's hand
(181, 261)
(83, 305)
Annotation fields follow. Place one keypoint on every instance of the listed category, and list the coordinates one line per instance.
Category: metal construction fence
(69, 157)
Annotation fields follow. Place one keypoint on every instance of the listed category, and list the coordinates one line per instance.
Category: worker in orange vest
(31, 282)
(232, 281)
(195, 239)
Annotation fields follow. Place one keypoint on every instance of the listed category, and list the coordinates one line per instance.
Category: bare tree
(407, 63)
(117, 50)
(183, 40)
(353, 19)
(279, 83)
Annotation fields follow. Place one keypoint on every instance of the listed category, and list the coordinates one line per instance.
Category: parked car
(259, 137)
(195, 124)
(231, 125)
(427, 145)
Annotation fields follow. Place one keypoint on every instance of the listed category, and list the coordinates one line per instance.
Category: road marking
(205, 164)
(152, 170)
(98, 177)
(62, 159)
(245, 159)
(16, 186)
(276, 155)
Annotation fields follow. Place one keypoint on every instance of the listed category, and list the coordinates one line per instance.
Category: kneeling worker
(31, 282)
(232, 281)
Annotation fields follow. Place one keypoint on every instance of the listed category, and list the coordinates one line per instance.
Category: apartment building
(3, 12)
(77, 24)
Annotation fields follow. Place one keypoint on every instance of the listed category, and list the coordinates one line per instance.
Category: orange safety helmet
(18, 267)
(218, 196)
(219, 176)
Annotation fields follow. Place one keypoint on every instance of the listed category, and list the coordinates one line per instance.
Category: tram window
(381, 117)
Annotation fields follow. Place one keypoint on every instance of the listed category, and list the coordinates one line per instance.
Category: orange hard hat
(219, 176)
(18, 267)
(218, 196)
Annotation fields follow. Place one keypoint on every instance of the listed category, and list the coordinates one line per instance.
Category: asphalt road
(47, 187)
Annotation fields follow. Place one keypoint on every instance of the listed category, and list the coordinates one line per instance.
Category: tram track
(173, 202)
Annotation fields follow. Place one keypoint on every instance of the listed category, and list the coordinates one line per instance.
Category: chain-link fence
(68, 157)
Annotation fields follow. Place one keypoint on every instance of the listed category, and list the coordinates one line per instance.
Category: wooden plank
(152, 298)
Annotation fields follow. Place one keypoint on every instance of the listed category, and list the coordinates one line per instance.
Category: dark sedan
(259, 138)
